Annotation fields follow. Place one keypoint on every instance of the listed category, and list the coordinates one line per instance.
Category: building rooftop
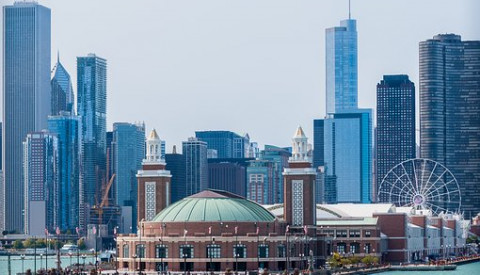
(212, 206)
(347, 222)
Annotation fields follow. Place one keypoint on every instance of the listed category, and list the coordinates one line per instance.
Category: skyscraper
(128, 147)
(341, 67)
(62, 91)
(41, 176)
(66, 129)
(92, 108)
(176, 166)
(227, 176)
(395, 124)
(26, 94)
(279, 157)
(348, 156)
(450, 111)
(260, 181)
(196, 166)
(228, 144)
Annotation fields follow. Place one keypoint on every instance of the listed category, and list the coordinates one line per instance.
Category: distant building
(228, 176)
(196, 166)
(260, 182)
(319, 161)
(42, 193)
(449, 111)
(66, 128)
(176, 166)
(128, 146)
(228, 144)
(279, 157)
(341, 67)
(395, 137)
(26, 94)
(62, 98)
(92, 108)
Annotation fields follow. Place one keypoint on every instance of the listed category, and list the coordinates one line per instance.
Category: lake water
(466, 269)
(16, 262)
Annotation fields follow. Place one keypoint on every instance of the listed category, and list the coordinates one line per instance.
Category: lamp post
(41, 262)
(161, 259)
(83, 257)
(134, 256)
(70, 255)
(184, 255)
(23, 258)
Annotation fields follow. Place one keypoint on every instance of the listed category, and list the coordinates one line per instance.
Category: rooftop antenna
(349, 15)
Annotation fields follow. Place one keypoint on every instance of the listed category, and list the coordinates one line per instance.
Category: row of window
(213, 251)
(352, 233)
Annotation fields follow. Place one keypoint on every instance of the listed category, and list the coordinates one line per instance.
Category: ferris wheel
(421, 184)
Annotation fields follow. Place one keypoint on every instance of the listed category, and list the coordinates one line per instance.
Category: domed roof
(213, 205)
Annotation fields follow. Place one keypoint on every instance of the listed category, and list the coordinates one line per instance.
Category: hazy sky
(255, 66)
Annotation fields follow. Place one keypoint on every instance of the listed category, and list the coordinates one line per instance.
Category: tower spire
(58, 56)
(349, 14)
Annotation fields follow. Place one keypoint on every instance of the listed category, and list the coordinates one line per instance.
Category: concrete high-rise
(26, 94)
(62, 98)
(66, 128)
(395, 138)
(92, 108)
(450, 111)
(41, 174)
(341, 67)
(196, 165)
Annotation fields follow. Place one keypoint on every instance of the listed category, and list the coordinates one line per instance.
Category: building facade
(279, 157)
(347, 157)
(449, 123)
(228, 176)
(41, 181)
(153, 186)
(66, 128)
(26, 94)
(228, 144)
(395, 132)
(260, 182)
(176, 166)
(92, 108)
(341, 67)
(62, 98)
(196, 165)
(128, 146)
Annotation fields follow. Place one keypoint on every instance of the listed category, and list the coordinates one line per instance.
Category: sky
(249, 66)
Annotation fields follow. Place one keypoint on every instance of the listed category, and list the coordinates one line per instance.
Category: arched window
(125, 250)
(140, 250)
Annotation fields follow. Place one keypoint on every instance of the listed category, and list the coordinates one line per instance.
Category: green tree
(370, 260)
(81, 244)
(29, 243)
(40, 243)
(345, 262)
(18, 244)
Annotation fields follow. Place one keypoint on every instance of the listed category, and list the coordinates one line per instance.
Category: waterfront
(16, 262)
(471, 269)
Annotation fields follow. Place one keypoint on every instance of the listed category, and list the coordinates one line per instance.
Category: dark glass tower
(196, 166)
(92, 108)
(26, 94)
(395, 124)
(450, 111)
(62, 91)
(176, 166)
(66, 129)
(228, 144)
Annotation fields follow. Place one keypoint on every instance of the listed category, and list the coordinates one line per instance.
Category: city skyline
(275, 58)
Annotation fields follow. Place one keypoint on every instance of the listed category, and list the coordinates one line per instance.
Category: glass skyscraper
(341, 67)
(66, 129)
(92, 108)
(228, 144)
(176, 166)
(395, 125)
(279, 157)
(62, 91)
(347, 156)
(450, 111)
(26, 94)
(196, 166)
(260, 181)
(128, 147)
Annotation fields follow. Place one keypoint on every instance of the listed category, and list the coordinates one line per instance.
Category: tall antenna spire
(58, 56)
(349, 15)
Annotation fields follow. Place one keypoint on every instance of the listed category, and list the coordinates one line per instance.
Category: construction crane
(105, 200)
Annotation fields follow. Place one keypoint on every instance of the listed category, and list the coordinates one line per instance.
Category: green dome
(212, 205)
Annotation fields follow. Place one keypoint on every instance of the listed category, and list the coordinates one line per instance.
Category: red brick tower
(153, 181)
(299, 184)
